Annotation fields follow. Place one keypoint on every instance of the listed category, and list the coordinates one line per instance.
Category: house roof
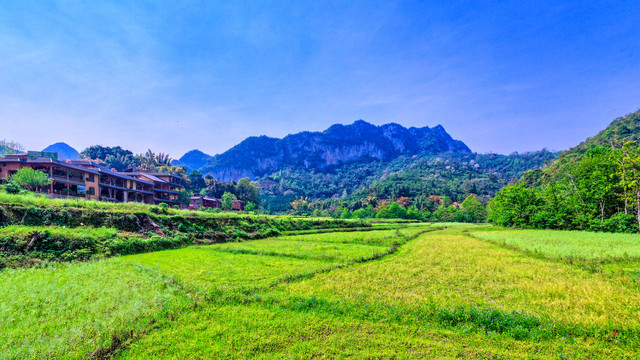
(105, 170)
(48, 161)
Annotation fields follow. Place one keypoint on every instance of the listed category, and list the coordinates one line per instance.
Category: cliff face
(339, 144)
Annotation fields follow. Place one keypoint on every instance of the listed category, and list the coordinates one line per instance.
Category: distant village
(91, 180)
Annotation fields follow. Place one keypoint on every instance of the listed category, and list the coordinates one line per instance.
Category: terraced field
(416, 292)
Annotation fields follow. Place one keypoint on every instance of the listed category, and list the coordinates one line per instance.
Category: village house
(213, 203)
(90, 180)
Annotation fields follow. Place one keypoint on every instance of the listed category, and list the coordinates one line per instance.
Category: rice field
(578, 244)
(415, 292)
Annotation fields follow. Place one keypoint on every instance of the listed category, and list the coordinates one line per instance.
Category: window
(90, 178)
(80, 190)
(91, 191)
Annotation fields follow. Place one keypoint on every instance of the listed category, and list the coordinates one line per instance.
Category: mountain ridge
(339, 144)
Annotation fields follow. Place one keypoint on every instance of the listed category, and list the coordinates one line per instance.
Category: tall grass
(68, 311)
(578, 244)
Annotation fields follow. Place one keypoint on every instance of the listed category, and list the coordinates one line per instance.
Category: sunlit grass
(323, 251)
(71, 310)
(443, 294)
(446, 269)
(579, 244)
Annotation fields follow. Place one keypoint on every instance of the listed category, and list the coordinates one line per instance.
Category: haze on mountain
(65, 152)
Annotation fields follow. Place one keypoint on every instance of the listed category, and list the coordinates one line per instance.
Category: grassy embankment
(444, 294)
(38, 230)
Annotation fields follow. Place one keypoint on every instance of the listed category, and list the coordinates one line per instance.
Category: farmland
(425, 290)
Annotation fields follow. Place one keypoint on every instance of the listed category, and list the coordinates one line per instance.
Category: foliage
(112, 157)
(227, 201)
(184, 197)
(598, 191)
(30, 179)
(453, 175)
(8, 147)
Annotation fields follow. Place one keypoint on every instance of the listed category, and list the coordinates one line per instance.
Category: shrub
(12, 188)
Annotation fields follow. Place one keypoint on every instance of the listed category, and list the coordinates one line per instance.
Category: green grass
(443, 294)
(577, 244)
(323, 251)
(71, 310)
(15, 231)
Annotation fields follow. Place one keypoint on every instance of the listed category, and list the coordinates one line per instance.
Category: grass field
(579, 244)
(395, 293)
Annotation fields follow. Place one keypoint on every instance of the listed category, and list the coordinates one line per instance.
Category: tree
(247, 191)
(392, 211)
(473, 210)
(184, 197)
(112, 157)
(8, 147)
(515, 205)
(30, 179)
(227, 201)
(250, 207)
(196, 181)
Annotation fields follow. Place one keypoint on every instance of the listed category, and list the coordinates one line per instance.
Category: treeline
(450, 175)
(439, 208)
(597, 191)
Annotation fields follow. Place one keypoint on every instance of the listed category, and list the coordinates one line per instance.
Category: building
(166, 187)
(207, 202)
(90, 180)
(204, 201)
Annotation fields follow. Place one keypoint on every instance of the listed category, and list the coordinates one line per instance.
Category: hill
(593, 186)
(338, 145)
(192, 160)
(65, 152)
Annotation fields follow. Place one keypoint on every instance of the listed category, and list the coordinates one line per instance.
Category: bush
(12, 188)
(624, 223)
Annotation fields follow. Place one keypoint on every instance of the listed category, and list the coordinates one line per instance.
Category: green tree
(246, 191)
(392, 211)
(473, 210)
(515, 205)
(184, 197)
(250, 207)
(227, 201)
(196, 181)
(30, 179)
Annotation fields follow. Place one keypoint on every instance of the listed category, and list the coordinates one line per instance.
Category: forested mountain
(65, 152)
(347, 163)
(338, 145)
(594, 186)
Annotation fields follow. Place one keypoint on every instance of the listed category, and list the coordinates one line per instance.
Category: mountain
(334, 147)
(65, 152)
(192, 160)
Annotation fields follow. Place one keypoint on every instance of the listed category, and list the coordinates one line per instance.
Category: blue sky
(173, 76)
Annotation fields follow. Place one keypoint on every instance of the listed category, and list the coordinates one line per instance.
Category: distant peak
(361, 123)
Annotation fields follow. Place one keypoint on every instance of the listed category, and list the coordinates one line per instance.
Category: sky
(502, 76)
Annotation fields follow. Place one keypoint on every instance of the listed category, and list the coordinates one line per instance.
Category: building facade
(90, 180)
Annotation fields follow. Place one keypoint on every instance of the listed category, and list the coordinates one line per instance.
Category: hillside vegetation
(594, 186)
